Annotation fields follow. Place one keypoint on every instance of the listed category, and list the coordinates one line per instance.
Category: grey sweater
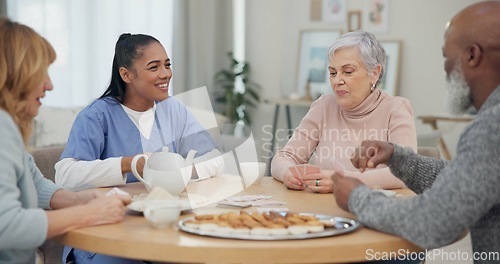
(23, 192)
(453, 196)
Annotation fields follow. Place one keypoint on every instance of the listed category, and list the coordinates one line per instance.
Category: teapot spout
(187, 170)
(190, 157)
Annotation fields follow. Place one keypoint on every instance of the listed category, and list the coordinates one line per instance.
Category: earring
(373, 87)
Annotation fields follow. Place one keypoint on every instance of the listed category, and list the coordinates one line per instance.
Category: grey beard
(458, 98)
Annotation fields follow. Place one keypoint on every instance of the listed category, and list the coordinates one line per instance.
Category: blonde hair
(25, 57)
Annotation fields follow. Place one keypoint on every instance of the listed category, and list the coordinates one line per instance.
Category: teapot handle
(134, 168)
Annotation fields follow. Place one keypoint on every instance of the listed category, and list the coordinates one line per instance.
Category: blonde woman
(24, 59)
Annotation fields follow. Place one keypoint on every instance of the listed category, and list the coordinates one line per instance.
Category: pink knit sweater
(328, 132)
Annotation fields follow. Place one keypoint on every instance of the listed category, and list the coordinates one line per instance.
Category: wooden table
(134, 238)
(432, 120)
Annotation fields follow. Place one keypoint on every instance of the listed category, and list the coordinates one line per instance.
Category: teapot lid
(165, 152)
(165, 160)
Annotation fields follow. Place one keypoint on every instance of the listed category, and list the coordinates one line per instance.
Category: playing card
(248, 198)
(302, 169)
(293, 171)
(266, 203)
(310, 169)
(226, 203)
(387, 193)
(116, 191)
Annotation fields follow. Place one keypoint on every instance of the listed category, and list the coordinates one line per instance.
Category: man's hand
(342, 188)
(372, 153)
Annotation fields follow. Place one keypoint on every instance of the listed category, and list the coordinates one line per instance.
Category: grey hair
(370, 50)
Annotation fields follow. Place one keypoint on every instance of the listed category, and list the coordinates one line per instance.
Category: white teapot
(165, 169)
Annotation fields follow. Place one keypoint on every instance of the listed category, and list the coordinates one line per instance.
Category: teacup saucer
(139, 206)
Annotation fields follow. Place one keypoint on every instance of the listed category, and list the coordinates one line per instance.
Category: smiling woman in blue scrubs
(134, 115)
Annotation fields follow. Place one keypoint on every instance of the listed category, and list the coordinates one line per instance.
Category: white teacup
(162, 213)
(252, 172)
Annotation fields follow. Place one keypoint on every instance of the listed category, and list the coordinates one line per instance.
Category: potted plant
(235, 102)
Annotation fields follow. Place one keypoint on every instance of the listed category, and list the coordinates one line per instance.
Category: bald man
(462, 194)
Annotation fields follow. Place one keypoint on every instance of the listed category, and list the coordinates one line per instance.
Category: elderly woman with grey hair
(337, 123)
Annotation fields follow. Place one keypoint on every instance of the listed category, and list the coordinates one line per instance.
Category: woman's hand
(86, 196)
(292, 181)
(64, 198)
(98, 210)
(319, 182)
(107, 210)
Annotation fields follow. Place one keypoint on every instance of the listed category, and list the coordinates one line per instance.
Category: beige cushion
(45, 159)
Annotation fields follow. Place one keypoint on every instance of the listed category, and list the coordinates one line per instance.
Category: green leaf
(250, 103)
(246, 68)
(221, 100)
(247, 118)
(236, 103)
(253, 94)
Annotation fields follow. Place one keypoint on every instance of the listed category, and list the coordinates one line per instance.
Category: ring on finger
(317, 182)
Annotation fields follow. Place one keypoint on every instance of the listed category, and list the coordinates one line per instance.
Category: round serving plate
(341, 225)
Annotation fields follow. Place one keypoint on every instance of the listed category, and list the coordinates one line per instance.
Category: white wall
(273, 29)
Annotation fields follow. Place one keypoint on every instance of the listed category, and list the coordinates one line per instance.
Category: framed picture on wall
(389, 82)
(334, 11)
(354, 20)
(376, 16)
(312, 67)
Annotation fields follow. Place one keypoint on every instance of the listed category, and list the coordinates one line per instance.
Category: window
(84, 33)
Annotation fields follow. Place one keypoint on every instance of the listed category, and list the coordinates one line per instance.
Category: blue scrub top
(103, 130)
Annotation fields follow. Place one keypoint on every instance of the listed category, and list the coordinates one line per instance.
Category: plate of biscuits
(268, 225)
